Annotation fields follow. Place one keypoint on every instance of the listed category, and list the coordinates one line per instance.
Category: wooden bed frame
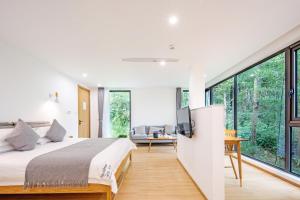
(93, 191)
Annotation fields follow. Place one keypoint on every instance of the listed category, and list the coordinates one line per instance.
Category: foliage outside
(296, 130)
(223, 94)
(184, 98)
(207, 98)
(120, 113)
(260, 112)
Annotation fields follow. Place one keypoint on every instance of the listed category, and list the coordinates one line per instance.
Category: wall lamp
(54, 97)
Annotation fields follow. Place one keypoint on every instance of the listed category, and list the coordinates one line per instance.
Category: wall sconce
(54, 97)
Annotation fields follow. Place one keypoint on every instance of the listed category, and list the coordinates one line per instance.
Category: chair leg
(236, 177)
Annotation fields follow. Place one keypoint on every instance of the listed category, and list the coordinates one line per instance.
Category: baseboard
(192, 179)
(272, 171)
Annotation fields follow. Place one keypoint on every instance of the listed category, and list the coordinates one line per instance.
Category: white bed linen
(13, 164)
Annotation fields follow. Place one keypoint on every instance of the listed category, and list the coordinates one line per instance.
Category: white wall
(197, 88)
(25, 84)
(153, 106)
(149, 106)
(203, 154)
(282, 42)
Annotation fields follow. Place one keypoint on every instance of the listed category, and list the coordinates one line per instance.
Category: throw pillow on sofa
(155, 129)
(140, 130)
(169, 129)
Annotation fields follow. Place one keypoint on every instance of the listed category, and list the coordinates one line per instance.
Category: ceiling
(93, 36)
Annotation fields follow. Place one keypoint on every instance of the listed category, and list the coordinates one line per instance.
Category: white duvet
(13, 164)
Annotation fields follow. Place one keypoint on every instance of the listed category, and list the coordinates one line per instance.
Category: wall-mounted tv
(184, 122)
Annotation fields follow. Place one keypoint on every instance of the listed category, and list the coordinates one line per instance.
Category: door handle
(80, 122)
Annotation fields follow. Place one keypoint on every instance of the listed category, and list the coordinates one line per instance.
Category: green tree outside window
(120, 113)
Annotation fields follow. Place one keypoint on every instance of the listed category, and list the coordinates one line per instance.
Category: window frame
(182, 91)
(211, 89)
(130, 119)
(209, 97)
(290, 104)
(295, 116)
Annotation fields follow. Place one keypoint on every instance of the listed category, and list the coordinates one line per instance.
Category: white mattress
(13, 164)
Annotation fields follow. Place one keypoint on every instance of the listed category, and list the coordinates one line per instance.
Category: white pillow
(41, 131)
(6, 148)
(43, 140)
(4, 133)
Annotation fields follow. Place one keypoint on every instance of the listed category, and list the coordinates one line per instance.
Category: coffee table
(164, 138)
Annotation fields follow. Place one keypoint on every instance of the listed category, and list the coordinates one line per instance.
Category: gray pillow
(140, 130)
(155, 129)
(169, 129)
(56, 133)
(22, 138)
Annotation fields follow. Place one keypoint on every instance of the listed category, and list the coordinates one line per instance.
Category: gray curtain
(178, 98)
(100, 110)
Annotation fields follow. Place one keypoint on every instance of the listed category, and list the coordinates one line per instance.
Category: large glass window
(297, 65)
(184, 98)
(120, 113)
(207, 97)
(261, 111)
(295, 164)
(264, 106)
(223, 94)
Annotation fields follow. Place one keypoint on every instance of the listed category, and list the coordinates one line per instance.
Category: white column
(197, 88)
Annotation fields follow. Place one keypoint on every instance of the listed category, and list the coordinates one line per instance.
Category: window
(263, 101)
(184, 98)
(261, 111)
(120, 113)
(295, 157)
(222, 93)
(297, 65)
(295, 113)
(207, 97)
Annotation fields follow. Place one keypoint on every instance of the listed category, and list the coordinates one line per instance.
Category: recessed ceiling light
(162, 63)
(173, 20)
(99, 85)
(84, 75)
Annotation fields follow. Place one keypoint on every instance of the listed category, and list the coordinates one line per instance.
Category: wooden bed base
(93, 191)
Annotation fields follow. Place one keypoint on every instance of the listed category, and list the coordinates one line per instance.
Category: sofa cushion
(155, 129)
(140, 130)
(139, 137)
(169, 129)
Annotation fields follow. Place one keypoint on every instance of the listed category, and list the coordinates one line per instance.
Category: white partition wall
(203, 155)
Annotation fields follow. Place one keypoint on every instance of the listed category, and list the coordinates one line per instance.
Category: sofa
(139, 134)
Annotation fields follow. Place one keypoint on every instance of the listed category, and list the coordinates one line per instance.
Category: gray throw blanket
(65, 167)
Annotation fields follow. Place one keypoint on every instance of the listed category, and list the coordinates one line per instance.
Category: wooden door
(83, 112)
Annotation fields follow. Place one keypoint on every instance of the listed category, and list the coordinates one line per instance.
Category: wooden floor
(257, 185)
(159, 176)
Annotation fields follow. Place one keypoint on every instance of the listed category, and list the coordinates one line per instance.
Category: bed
(13, 166)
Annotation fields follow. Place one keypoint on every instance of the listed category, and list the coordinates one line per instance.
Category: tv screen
(184, 122)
